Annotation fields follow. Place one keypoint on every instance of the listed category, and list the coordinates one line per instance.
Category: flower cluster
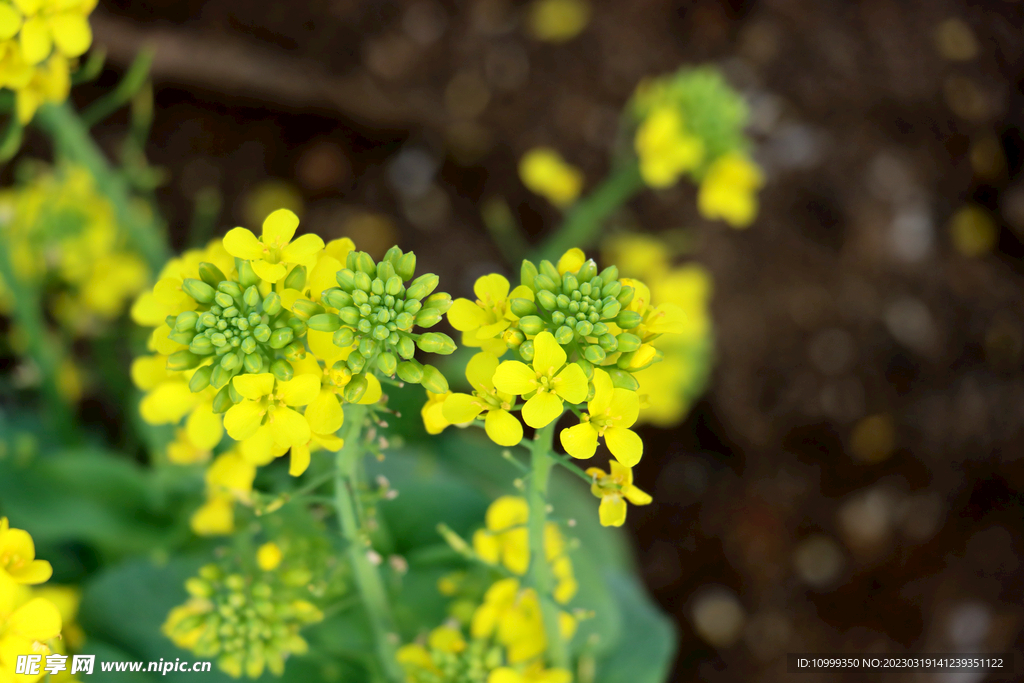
(39, 41)
(62, 237)
(266, 338)
(248, 622)
(29, 623)
(580, 336)
(691, 123)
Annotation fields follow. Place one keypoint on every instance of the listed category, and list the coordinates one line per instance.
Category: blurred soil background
(852, 480)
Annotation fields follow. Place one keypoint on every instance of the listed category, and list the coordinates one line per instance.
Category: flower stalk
(368, 580)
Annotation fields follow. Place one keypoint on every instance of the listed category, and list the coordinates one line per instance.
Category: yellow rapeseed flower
(729, 190)
(274, 250)
(614, 490)
(27, 625)
(269, 556)
(609, 414)
(534, 673)
(548, 380)
(665, 149)
(544, 172)
(482, 322)
(229, 480)
(265, 417)
(42, 25)
(18, 556)
(432, 413)
(513, 617)
(501, 426)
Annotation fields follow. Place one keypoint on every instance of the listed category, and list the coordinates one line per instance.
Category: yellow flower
(544, 172)
(665, 149)
(534, 673)
(265, 417)
(432, 413)
(228, 480)
(43, 24)
(27, 623)
(614, 490)
(446, 639)
(18, 557)
(513, 617)
(268, 556)
(483, 321)
(729, 190)
(33, 85)
(505, 538)
(274, 250)
(502, 428)
(556, 21)
(571, 261)
(322, 275)
(550, 381)
(609, 414)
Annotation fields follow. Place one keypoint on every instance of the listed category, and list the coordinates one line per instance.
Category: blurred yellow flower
(269, 556)
(729, 190)
(556, 21)
(544, 172)
(501, 426)
(482, 322)
(274, 249)
(665, 149)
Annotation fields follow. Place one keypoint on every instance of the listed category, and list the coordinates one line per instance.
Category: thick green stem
(368, 580)
(583, 223)
(540, 572)
(72, 139)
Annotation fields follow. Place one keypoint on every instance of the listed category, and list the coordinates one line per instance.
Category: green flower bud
(595, 354)
(230, 361)
(218, 339)
(526, 351)
(336, 298)
(550, 269)
(546, 299)
(356, 362)
(569, 283)
(563, 335)
(427, 317)
(412, 306)
(599, 328)
(625, 296)
(410, 371)
(377, 286)
(612, 289)
(198, 290)
(588, 367)
(438, 301)
(201, 345)
(522, 307)
(513, 338)
(393, 285)
(346, 279)
(296, 279)
(182, 360)
(422, 286)
(364, 326)
(433, 380)
(387, 363)
(220, 376)
(587, 271)
(393, 254)
(282, 369)
(222, 401)
(558, 318)
(253, 363)
(262, 333)
(544, 283)
(349, 315)
(231, 312)
(356, 389)
(609, 274)
(247, 277)
(527, 274)
(380, 333)
(584, 328)
(436, 342)
(325, 322)
(367, 347)
(281, 337)
(304, 309)
(251, 297)
(186, 321)
(608, 342)
(211, 274)
(406, 347)
(622, 379)
(628, 342)
(610, 311)
(295, 351)
(364, 264)
(406, 266)
(385, 271)
(272, 304)
(585, 289)
(531, 325)
(200, 379)
(343, 337)
(182, 337)
(627, 320)
(363, 281)
(223, 300)
(563, 302)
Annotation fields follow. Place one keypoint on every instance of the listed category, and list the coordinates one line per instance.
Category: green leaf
(648, 637)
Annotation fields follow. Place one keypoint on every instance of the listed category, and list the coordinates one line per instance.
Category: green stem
(71, 137)
(583, 223)
(540, 573)
(368, 579)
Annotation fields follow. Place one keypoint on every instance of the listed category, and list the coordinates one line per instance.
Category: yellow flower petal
(625, 405)
(432, 412)
(204, 427)
(612, 510)
(303, 250)
(491, 288)
(666, 319)
(636, 496)
(373, 391)
(35, 39)
(514, 377)
(625, 445)
(571, 384)
(288, 427)
(571, 261)
(464, 315)
(323, 275)
(149, 371)
(243, 419)
(271, 272)
(300, 460)
(10, 22)
(300, 390)
(324, 413)
(38, 619)
(269, 556)
(480, 370)
(241, 243)
(548, 355)
(579, 441)
(254, 387)
(258, 449)
(215, 518)
(322, 346)
(542, 410)
(503, 428)
(461, 408)
(279, 228)
(507, 512)
(71, 33)
(168, 403)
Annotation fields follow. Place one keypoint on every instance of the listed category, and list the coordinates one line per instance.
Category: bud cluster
(373, 312)
(248, 624)
(234, 329)
(453, 662)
